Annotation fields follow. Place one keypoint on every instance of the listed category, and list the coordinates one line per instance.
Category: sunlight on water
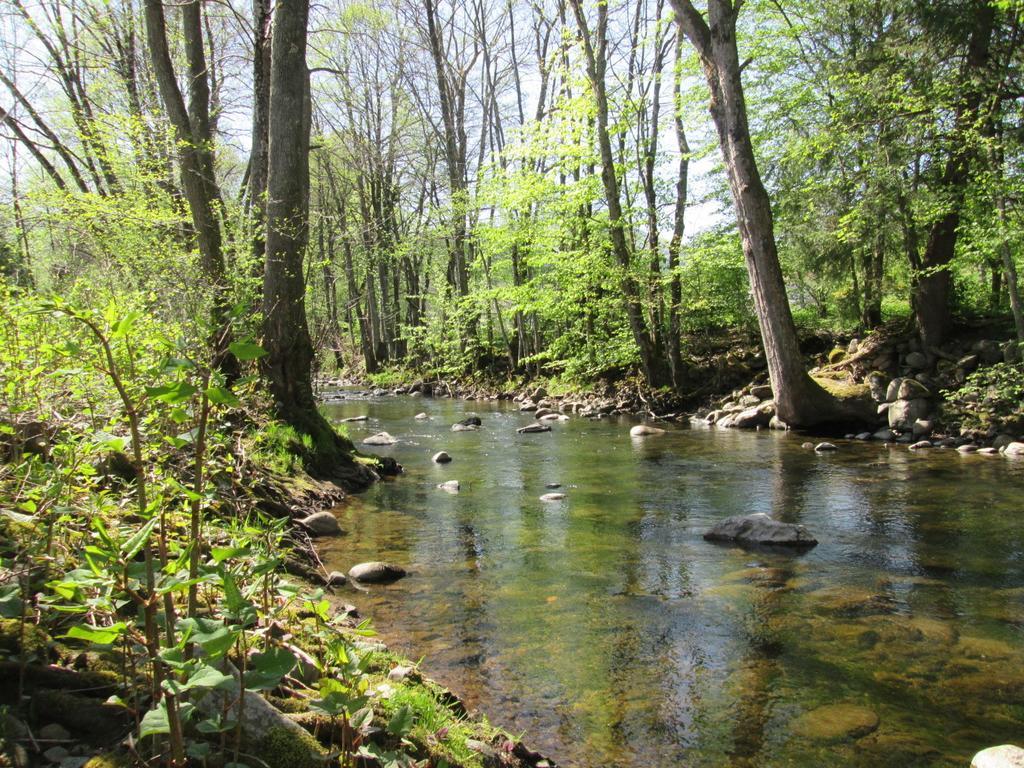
(605, 628)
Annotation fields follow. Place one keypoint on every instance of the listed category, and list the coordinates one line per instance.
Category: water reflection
(605, 627)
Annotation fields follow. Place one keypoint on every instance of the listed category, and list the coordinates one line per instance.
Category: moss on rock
(288, 748)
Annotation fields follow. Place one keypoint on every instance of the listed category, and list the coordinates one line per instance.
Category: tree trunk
(286, 337)
(260, 141)
(933, 288)
(192, 131)
(800, 401)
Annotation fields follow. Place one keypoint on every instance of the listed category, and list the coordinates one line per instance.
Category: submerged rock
(530, 429)
(381, 438)
(322, 524)
(645, 430)
(376, 572)
(759, 528)
(1003, 756)
(836, 722)
(441, 457)
(451, 486)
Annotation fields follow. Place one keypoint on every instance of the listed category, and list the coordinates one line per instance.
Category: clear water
(610, 633)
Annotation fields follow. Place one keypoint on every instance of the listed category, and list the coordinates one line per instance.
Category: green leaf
(401, 722)
(222, 396)
(220, 554)
(132, 547)
(96, 635)
(174, 393)
(213, 636)
(244, 350)
(204, 677)
(155, 722)
(11, 604)
(266, 669)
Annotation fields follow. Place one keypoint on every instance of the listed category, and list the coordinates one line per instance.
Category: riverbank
(316, 685)
(966, 395)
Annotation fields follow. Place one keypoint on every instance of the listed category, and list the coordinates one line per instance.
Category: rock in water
(1004, 756)
(452, 486)
(824, 447)
(381, 438)
(421, 417)
(377, 572)
(441, 457)
(464, 428)
(335, 579)
(552, 497)
(530, 429)
(836, 722)
(1014, 449)
(645, 430)
(355, 418)
(322, 524)
(760, 529)
(471, 421)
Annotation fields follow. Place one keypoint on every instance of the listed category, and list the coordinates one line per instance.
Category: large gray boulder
(376, 572)
(759, 528)
(752, 418)
(645, 430)
(911, 389)
(321, 524)
(534, 428)
(903, 413)
(1013, 449)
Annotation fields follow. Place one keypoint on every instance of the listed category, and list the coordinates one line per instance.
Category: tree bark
(288, 363)
(933, 287)
(192, 131)
(800, 401)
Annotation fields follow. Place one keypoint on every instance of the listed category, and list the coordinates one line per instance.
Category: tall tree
(195, 141)
(799, 399)
(288, 363)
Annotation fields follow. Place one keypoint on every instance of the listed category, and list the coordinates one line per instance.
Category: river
(605, 629)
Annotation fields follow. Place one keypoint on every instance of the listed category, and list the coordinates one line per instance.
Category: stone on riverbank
(335, 579)
(381, 438)
(441, 457)
(836, 722)
(321, 524)
(645, 430)
(1003, 756)
(759, 528)
(376, 572)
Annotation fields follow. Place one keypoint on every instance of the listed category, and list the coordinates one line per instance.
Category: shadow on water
(608, 630)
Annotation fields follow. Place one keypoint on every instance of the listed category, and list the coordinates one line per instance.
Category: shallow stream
(609, 632)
